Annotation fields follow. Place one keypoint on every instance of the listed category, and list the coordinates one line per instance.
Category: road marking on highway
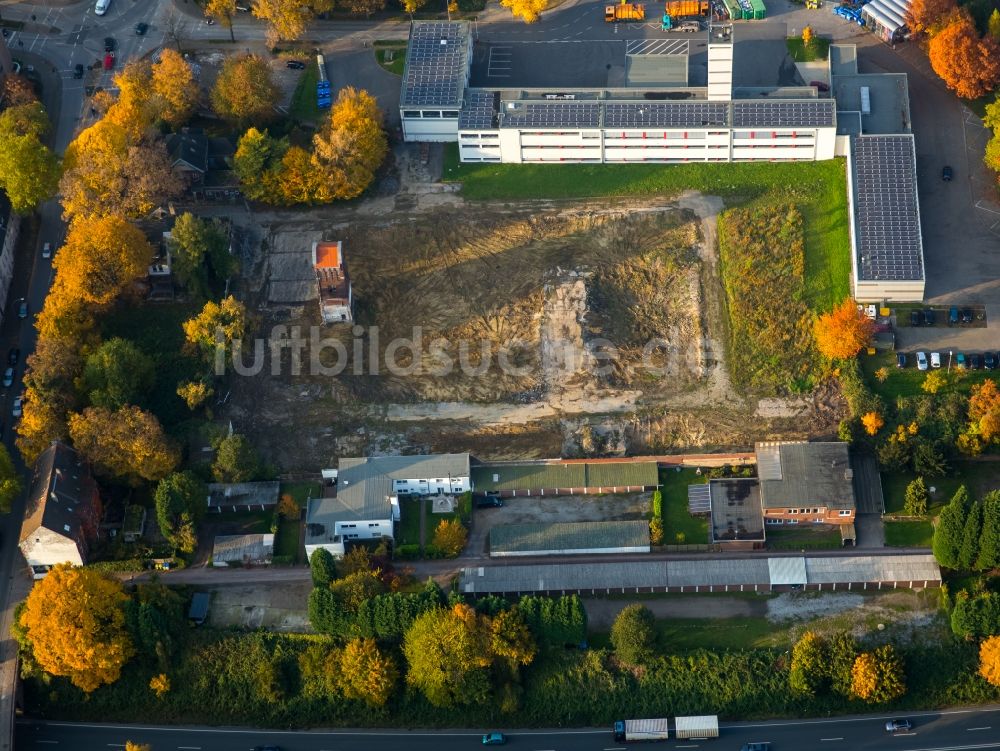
(50, 742)
(622, 748)
(190, 748)
(831, 739)
(690, 745)
(987, 727)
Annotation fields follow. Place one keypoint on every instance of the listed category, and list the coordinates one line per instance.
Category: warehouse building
(886, 18)
(731, 574)
(569, 538)
(565, 477)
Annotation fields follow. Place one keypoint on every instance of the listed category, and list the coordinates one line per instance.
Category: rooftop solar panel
(556, 114)
(665, 114)
(886, 209)
(480, 111)
(785, 114)
(436, 64)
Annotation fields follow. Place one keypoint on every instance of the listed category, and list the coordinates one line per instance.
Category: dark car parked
(109, 44)
(295, 64)
(929, 317)
(900, 359)
(490, 500)
(141, 28)
(915, 318)
(989, 360)
(893, 726)
(952, 314)
(78, 71)
(13, 355)
(947, 173)
(975, 362)
(966, 315)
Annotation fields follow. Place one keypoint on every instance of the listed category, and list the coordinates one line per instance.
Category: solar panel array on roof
(886, 209)
(665, 114)
(480, 111)
(550, 115)
(435, 65)
(786, 114)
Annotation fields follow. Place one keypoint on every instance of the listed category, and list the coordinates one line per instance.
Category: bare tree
(175, 26)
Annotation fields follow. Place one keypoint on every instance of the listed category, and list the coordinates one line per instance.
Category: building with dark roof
(806, 483)
(188, 154)
(62, 510)
(361, 498)
(434, 79)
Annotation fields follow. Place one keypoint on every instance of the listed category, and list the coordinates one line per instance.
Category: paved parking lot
(566, 508)
(960, 338)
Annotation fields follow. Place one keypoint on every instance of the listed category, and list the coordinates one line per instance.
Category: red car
(109, 61)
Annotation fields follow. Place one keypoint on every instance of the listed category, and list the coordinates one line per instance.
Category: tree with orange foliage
(74, 619)
(967, 63)
(927, 16)
(367, 673)
(989, 660)
(878, 677)
(873, 422)
(843, 332)
(984, 409)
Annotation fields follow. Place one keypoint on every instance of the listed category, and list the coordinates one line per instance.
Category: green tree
(510, 638)
(810, 671)
(353, 589)
(915, 502)
(180, 505)
(29, 171)
(994, 24)
(949, 529)
(633, 634)
(842, 651)
(989, 540)
(254, 164)
(657, 504)
(199, 247)
(974, 617)
(236, 460)
(448, 655)
(217, 329)
(117, 373)
(929, 460)
(10, 481)
(968, 550)
(323, 567)
(245, 92)
(450, 536)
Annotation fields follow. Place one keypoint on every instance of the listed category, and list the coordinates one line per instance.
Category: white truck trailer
(642, 730)
(704, 726)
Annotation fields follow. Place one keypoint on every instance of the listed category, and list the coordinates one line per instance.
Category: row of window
(438, 114)
(480, 136)
(355, 526)
(770, 520)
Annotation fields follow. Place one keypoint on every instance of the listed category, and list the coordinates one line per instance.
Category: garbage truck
(624, 11)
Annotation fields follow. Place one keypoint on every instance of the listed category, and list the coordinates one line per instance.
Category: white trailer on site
(642, 730)
(704, 726)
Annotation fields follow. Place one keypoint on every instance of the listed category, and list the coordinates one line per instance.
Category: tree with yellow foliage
(223, 12)
(286, 19)
(194, 393)
(101, 258)
(843, 332)
(134, 111)
(366, 673)
(873, 422)
(527, 10)
(74, 619)
(160, 684)
(106, 171)
(175, 91)
(510, 638)
(412, 6)
(216, 328)
(877, 677)
(989, 660)
(448, 654)
(934, 381)
(807, 36)
(450, 537)
(350, 147)
(127, 443)
(245, 91)
(133, 746)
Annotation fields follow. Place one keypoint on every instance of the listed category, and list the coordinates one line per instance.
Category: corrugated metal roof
(787, 570)
(699, 499)
(538, 475)
(253, 547)
(808, 474)
(553, 538)
(732, 571)
(768, 461)
(612, 474)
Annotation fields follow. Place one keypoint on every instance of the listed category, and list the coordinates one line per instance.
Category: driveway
(944, 338)
(566, 508)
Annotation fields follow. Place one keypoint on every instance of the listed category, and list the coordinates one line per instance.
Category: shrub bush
(123, 566)
(406, 552)
(282, 560)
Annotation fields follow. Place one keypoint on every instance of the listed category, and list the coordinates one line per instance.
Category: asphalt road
(933, 731)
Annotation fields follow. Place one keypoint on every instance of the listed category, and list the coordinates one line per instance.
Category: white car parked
(102, 7)
(921, 361)
(935, 359)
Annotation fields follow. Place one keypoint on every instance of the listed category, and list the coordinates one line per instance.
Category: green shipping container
(747, 14)
(759, 9)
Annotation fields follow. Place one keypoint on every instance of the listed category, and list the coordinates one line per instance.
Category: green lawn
(301, 491)
(802, 536)
(817, 50)
(979, 476)
(398, 49)
(244, 522)
(408, 528)
(681, 634)
(908, 381)
(303, 107)
(286, 541)
(908, 534)
(819, 189)
(676, 519)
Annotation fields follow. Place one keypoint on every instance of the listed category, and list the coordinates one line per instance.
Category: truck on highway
(624, 11)
(642, 730)
(704, 726)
